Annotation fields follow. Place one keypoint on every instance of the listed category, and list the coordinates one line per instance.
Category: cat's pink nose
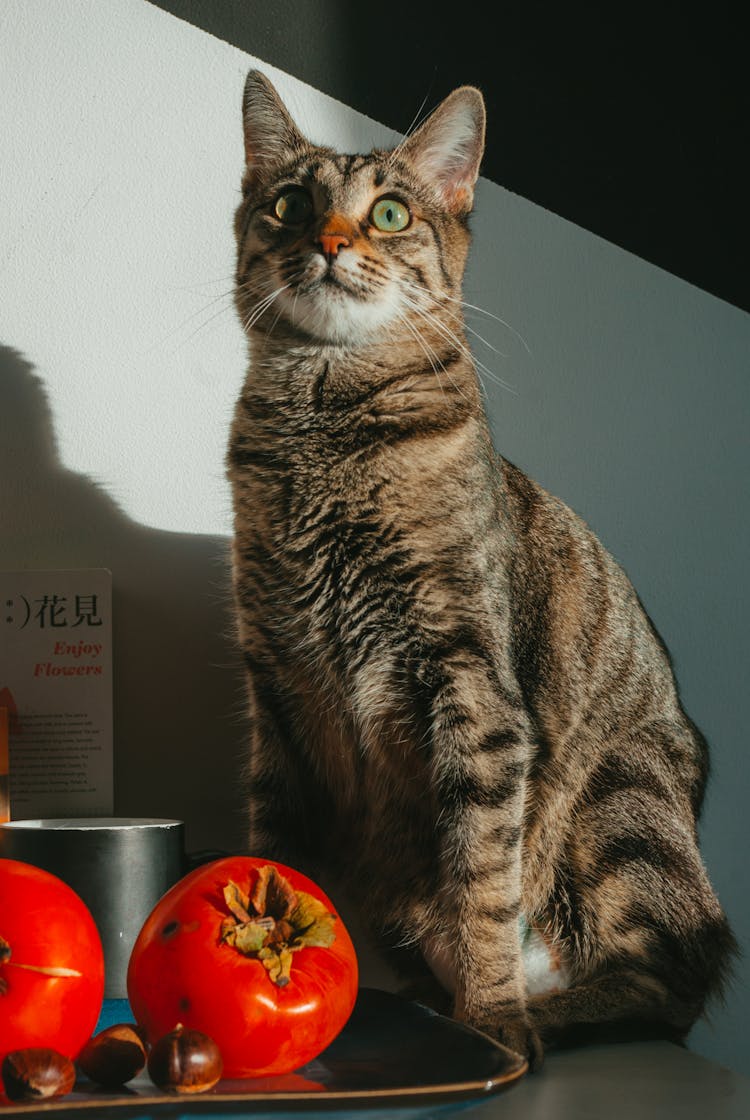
(332, 242)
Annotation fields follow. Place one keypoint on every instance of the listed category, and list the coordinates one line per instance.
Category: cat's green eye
(390, 215)
(293, 206)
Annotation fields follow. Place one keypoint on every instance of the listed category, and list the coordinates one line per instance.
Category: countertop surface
(621, 1081)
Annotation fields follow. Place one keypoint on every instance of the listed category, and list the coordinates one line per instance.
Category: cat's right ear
(270, 133)
(447, 148)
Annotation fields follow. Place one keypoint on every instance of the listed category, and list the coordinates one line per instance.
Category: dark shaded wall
(629, 120)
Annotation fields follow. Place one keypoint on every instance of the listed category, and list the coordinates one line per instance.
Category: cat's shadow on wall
(178, 699)
(179, 702)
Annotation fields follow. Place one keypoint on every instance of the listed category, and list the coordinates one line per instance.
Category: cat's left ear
(270, 133)
(447, 149)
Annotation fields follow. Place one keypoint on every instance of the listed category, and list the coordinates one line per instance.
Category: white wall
(120, 357)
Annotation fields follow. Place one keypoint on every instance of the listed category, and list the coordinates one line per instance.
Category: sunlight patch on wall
(116, 246)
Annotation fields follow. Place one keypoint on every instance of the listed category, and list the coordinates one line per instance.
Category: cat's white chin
(334, 316)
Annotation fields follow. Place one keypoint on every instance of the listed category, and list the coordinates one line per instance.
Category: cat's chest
(354, 546)
(313, 512)
(316, 488)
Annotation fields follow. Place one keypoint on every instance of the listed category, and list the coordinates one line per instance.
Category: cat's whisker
(466, 326)
(497, 319)
(450, 336)
(276, 318)
(193, 287)
(179, 327)
(417, 119)
(441, 327)
(262, 306)
(490, 315)
(489, 345)
(432, 357)
(437, 364)
(443, 295)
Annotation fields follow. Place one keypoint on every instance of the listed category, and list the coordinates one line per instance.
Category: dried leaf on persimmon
(312, 922)
(284, 921)
(273, 894)
(237, 901)
(246, 937)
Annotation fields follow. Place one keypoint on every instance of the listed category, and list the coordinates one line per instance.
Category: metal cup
(120, 867)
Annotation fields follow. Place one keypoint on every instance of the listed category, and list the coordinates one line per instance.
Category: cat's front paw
(515, 1032)
(519, 1035)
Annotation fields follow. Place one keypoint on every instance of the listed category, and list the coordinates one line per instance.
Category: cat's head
(349, 249)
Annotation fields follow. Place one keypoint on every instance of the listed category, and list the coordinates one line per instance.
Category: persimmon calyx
(274, 921)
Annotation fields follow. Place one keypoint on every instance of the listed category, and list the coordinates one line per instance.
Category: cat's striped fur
(456, 699)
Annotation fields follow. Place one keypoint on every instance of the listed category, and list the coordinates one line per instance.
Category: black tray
(391, 1051)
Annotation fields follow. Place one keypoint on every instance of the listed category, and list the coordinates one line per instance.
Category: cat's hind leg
(644, 938)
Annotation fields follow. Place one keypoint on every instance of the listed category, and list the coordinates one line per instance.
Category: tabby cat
(457, 703)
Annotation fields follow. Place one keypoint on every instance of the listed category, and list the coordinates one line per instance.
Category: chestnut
(36, 1073)
(114, 1056)
(185, 1061)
